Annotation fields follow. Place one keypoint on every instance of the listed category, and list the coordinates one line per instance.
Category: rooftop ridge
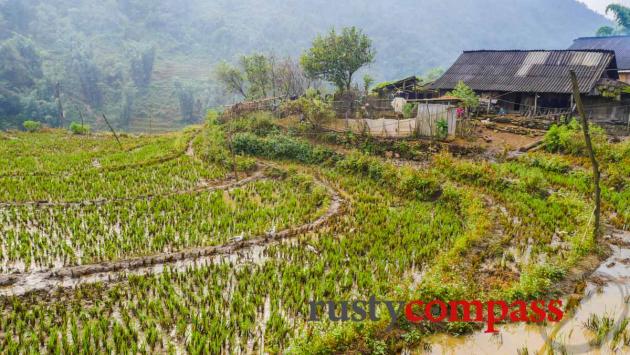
(610, 51)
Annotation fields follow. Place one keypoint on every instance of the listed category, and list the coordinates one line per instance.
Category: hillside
(153, 245)
(102, 54)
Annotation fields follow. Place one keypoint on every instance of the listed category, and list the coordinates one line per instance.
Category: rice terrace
(295, 205)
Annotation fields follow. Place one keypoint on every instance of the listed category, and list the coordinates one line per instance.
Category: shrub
(280, 147)
(212, 116)
(77, 128)
(466, 94)
(408, 109)
(314, 108)
(214, 148)
(442, 128)
(32, 126)
(260, 123)
(570, 138)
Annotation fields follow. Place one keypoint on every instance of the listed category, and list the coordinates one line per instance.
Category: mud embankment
(238, 249)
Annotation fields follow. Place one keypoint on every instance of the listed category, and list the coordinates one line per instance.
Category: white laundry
(398, 104)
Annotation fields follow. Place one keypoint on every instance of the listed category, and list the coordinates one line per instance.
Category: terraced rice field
(156, 247)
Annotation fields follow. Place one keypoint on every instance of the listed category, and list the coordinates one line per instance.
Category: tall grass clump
(405, 181)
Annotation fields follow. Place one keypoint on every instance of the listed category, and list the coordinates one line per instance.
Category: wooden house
(618, 44)
(537, 83)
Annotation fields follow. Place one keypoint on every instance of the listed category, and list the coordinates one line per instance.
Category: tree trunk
(349, 83)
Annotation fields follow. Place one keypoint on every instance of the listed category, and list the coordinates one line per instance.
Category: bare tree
(257, 76)
(291, 79)
(232, 78)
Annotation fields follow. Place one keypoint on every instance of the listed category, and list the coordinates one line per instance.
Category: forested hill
(135, 59)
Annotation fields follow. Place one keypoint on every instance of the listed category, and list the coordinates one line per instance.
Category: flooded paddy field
(184, 243)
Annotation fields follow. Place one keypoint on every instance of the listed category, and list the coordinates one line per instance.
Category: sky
(600, 5)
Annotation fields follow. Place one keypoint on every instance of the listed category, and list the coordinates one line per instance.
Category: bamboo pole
(60, 118)
(114, 132)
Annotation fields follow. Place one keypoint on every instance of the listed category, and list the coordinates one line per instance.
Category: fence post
(384, 131)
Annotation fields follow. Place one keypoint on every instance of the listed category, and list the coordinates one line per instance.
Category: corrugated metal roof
(542, 71)
(412, 80)
(619, 44)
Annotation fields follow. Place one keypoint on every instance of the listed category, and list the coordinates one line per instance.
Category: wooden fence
(430, 114)
(425, 124)
(241, 108)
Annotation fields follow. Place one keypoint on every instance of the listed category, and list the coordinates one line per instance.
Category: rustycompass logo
(434, 311)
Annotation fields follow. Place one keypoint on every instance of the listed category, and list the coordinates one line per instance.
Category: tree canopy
(258, 76)
(336, 57)
(622, 18)
(121, 57)
(466, 94)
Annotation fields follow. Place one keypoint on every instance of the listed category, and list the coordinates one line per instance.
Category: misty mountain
(135, 59)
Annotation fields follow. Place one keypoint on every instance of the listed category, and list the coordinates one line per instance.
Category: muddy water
(606, 294)
(46, 280)
(237, 252)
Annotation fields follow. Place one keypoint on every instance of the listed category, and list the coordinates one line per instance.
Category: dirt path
(250, 250)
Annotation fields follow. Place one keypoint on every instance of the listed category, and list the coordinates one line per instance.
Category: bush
(570, 138)
(212, 116)
(466, 94)
(32, 126)
(442, 128)
(213, 147)
(280, 147)
(77, 128)
(408, 109)
(315, 109)
(260, 123)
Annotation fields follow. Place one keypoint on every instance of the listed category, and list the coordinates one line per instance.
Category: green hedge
(280, 147)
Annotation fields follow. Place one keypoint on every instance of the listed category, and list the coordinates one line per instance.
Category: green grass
(394, 222)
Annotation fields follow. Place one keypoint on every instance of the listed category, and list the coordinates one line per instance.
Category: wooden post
(60, 118)
(114, 132)
(535, 104)
(591, 153)
(82, 122)
(234, 170)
